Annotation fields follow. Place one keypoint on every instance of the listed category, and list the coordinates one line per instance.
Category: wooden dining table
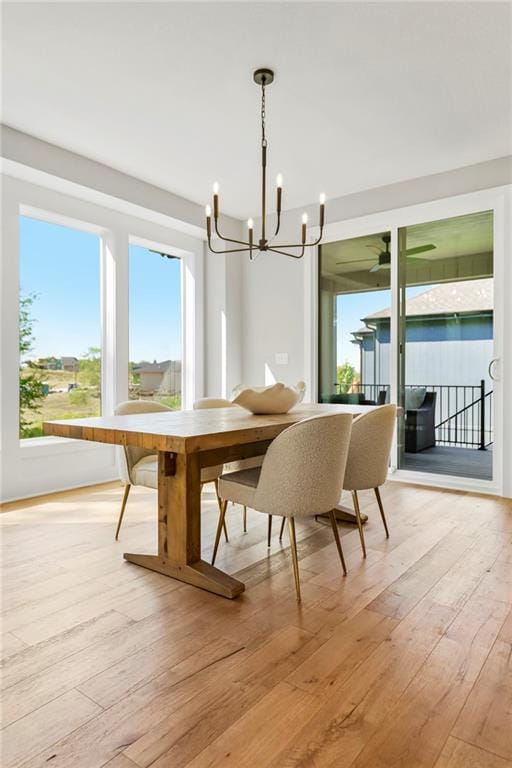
(186, 442)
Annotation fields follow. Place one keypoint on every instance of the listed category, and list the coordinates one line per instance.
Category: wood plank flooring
(405, 662)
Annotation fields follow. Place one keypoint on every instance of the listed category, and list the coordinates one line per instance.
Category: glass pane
(60, 324)
(155, 327)
(446, 342)
(355, 301)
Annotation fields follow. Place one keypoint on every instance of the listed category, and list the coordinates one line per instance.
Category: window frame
(51, 217)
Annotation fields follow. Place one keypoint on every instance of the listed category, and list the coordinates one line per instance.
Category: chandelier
(262, 77)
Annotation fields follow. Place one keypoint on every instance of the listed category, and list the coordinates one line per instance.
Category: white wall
(223, 321)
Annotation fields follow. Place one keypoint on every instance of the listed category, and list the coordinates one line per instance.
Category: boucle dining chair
(139, 466)
(368, 458)
(301, 476)
(233, 466)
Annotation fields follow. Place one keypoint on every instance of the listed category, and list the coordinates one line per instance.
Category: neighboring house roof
(447, 299)
(156, 367)
(68, 360)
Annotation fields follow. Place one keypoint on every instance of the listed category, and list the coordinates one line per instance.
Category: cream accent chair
(139, 466)
(301, 476)
(215, 472)
(368, 458)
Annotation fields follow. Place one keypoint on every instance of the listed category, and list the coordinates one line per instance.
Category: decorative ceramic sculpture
(278, 398)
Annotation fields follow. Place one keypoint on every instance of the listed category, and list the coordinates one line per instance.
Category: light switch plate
(281, 358)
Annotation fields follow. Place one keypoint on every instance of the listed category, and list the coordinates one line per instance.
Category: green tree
(32, 391)
(346, 376)
(89, 373)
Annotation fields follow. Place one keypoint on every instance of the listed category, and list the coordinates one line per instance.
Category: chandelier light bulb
(208, 211)
(322, 199)
(279, 180)
(215, 187)
(250, 224)
(304, 218)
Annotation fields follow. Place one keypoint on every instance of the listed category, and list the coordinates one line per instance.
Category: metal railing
(463, 413)
(470, 424)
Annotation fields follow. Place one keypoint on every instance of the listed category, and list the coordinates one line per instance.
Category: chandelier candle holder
(263, 78)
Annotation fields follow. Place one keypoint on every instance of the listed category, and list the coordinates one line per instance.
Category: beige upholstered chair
(301, 476)
(368, 458)
(138, 466)
(234, 466)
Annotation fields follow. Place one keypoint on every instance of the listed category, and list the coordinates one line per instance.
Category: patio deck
(448, 460)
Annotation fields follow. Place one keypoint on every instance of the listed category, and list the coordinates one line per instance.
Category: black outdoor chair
(346, 398)
(420, 422)
(382, 397)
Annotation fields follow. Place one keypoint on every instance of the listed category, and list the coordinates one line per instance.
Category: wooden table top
(190, 431)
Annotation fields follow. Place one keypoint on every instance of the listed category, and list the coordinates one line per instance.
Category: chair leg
(295, 560)
(283, 521)
(381, 507)
(359, 523)
(245, 519)
(220, 526)
(335, 531)
(269, 530)
(219, 502)
(123, 507)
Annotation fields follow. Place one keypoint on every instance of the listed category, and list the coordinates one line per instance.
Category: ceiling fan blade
(376, 247)
(354, 261)
(420, 249)
(375, 268)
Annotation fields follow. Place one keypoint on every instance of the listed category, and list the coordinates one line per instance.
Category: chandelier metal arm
(292, 255)
(303, 245)
(278, 224)
(227, 239)
(231, 250)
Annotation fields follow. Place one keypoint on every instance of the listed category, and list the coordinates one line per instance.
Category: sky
(155, 306)
(61, 266)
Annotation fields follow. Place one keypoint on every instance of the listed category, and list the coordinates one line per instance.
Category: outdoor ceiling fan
(385, 256)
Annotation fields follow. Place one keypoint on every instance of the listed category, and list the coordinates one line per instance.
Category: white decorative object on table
(278, 398)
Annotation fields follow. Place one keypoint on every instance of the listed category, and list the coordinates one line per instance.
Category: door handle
(491, 368)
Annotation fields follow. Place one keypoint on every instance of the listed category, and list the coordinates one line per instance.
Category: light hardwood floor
(405, 662)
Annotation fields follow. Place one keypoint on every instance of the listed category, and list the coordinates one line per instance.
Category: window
(60, 324)
(155, 326)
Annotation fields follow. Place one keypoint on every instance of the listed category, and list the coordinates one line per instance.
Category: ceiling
(456, 237)
(366, 94)
(463, 251)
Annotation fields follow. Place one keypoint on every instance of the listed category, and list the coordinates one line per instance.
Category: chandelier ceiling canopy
(263, 78)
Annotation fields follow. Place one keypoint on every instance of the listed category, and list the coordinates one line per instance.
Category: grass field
(76, 404)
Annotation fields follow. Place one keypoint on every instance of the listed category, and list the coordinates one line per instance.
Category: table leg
(179, 529)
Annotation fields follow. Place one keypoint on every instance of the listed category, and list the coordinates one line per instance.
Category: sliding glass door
(415, 324)
(355, 296)
(446, 341)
